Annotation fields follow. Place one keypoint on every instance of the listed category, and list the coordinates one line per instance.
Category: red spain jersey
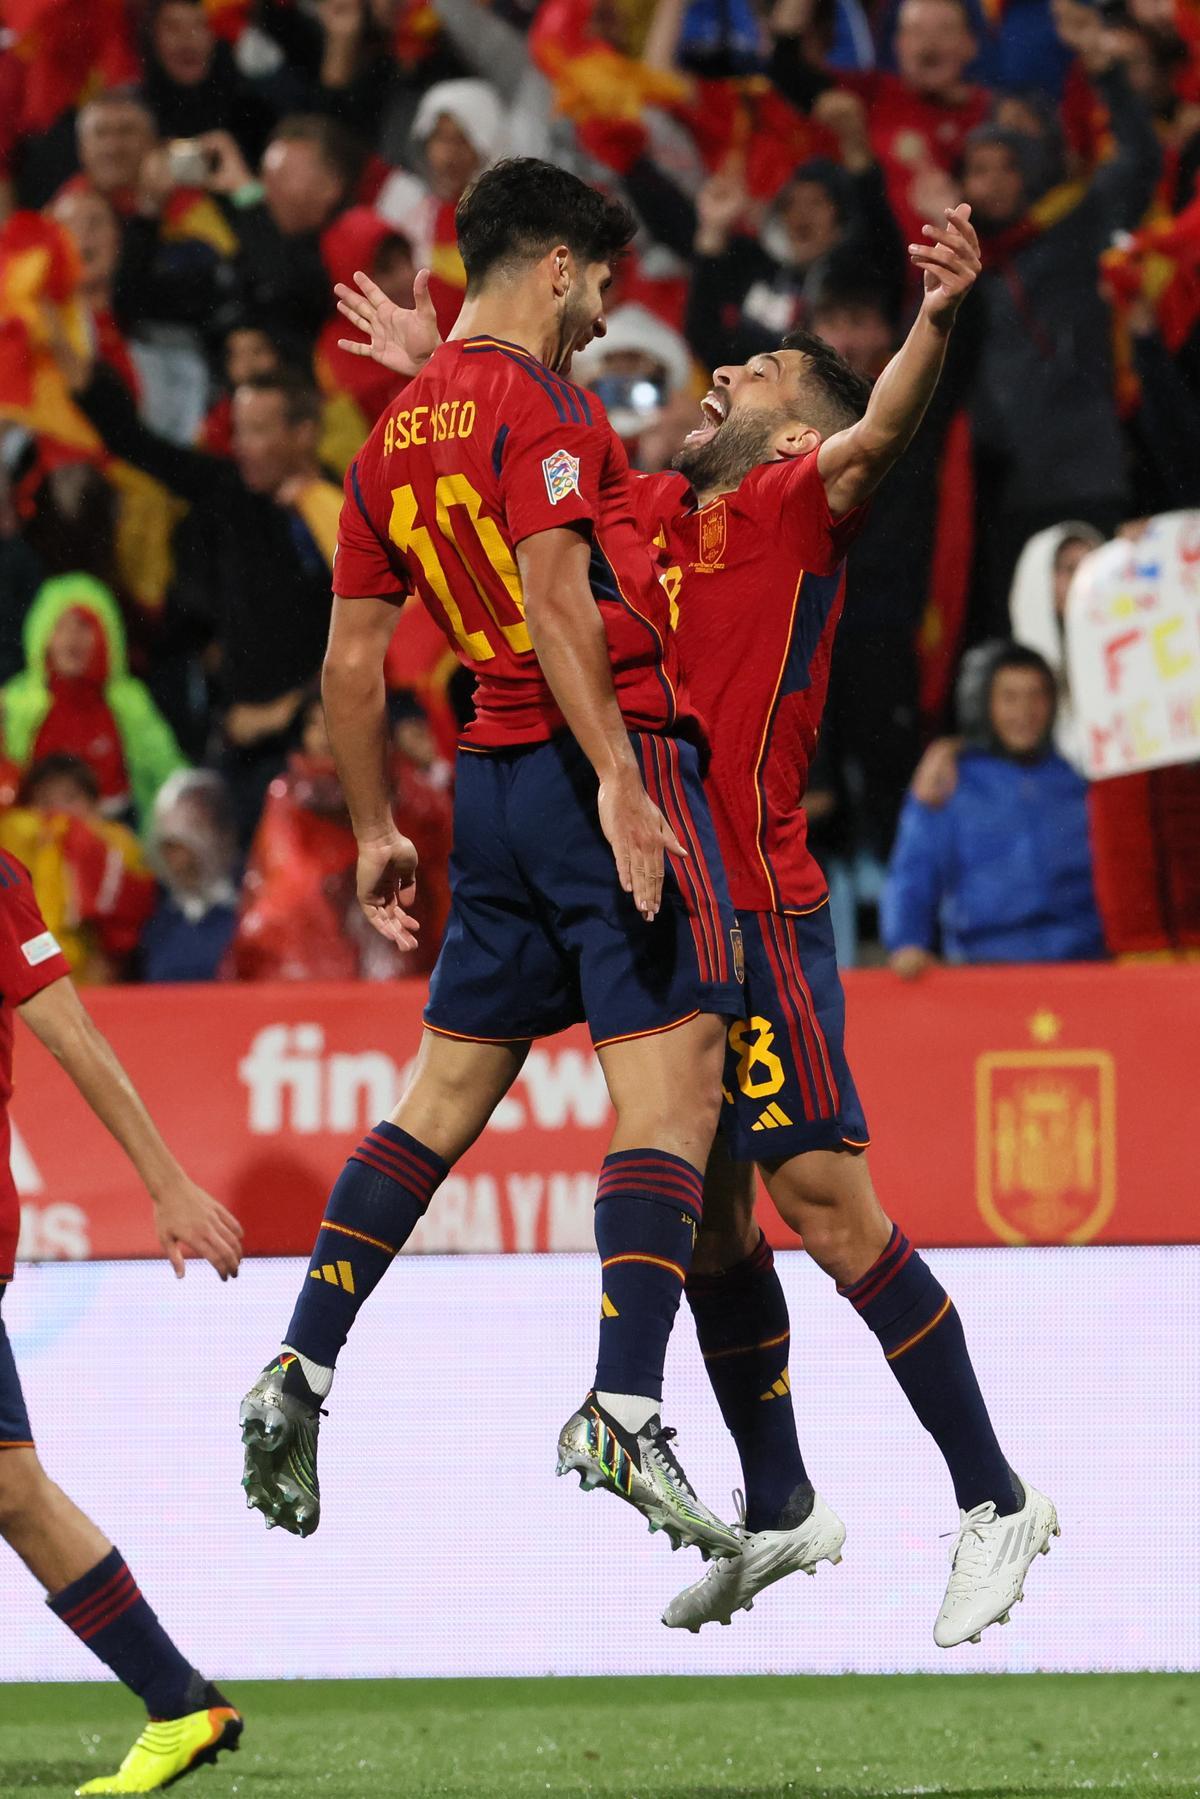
(29, 960)
(758, 577)
(485, 448)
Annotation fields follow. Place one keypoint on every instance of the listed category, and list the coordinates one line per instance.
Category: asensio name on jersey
(487, 447)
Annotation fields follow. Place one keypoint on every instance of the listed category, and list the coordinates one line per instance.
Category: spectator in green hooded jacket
(75, 696)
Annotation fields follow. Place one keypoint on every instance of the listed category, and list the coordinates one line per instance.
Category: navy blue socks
(919, 1331)
(743, 1330)
(377, 1202)
(648, 1207)
(105, 1609)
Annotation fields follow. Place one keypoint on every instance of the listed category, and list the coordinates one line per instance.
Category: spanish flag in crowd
(187, 213)
(40, 309)
(70, 50)
(591, 79)
(1160, 263)
(43, 321)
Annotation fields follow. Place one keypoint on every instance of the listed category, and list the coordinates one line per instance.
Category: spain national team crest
(712, 534)
(737, 944)
(562, 475)
(1045, 1143)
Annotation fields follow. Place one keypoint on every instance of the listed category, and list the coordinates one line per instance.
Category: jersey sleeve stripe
(498, 443)
(388, 548)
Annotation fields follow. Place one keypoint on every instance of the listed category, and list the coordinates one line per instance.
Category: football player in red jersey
(754, 528)
(755, 525)
(87, 1582)
(497, 492)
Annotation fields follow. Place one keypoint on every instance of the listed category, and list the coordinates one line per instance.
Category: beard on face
(740, 444)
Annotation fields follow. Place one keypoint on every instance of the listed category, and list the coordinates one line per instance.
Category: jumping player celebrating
(87, 1582)
(755, 527)
(498, 492)
(756, 524)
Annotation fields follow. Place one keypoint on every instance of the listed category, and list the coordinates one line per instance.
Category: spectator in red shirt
(300, 918)
(920, 117)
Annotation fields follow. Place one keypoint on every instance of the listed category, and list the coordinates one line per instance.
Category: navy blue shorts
(14, 1419)
(541, 935)
(788, 1087)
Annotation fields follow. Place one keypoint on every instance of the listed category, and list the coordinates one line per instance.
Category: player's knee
(832, 1241)
(23, 1482)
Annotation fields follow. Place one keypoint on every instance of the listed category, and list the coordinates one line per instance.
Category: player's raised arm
(570, 644)
(352, 687)
(185, 1216)
(852, 463)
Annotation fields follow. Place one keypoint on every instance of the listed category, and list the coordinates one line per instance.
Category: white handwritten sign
(1133, 649)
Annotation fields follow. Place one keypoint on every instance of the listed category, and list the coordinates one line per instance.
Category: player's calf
(744, 1333)
(190, 1719)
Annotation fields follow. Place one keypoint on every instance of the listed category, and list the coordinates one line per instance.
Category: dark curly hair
(520, 208)
(833, 396)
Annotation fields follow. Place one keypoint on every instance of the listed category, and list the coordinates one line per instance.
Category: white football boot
(767, 1556)
(988, 1565)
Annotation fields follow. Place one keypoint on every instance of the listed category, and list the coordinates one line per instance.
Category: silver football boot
(279, 1429)
(642, 1468)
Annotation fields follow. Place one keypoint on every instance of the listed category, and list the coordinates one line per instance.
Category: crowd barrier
(1034, 1105)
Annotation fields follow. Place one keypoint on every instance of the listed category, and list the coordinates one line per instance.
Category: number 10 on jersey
(465, 554)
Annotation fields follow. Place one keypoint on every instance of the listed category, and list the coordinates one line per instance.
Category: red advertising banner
(1015, 1105)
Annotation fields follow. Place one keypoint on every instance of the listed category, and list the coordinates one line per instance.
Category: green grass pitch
(965, 1737)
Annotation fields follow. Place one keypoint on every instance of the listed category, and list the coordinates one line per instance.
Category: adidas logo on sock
(778, 1389)
(338, 1274)
(770, 1118)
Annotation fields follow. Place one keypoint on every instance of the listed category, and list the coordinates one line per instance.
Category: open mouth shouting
(714, 410)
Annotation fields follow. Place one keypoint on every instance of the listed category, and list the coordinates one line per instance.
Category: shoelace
(969, 1542)
(660, 1441)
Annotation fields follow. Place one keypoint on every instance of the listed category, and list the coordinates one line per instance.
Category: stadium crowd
(183, 181)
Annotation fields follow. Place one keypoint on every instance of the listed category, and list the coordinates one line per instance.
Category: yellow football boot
(168, 1749)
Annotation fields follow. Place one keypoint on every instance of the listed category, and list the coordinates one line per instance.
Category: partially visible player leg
(828, 1198)
(744, 1333)
(665, 1089)
(742, 1326)
(91, 1589)
(377, 1202)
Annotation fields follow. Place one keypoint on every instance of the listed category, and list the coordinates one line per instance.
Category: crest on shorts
(1045, 1143)
(737, 944)
(562, 475)
(712, 535)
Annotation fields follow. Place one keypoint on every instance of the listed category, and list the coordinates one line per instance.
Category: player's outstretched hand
(188, 1218)
(402, 338)
(640, 836)
(387, 886)
(949, 261)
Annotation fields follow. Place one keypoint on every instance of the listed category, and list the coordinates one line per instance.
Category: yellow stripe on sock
(917, 1336)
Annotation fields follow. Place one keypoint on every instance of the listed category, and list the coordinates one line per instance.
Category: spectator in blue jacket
(1002, 872)
(194, 847)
